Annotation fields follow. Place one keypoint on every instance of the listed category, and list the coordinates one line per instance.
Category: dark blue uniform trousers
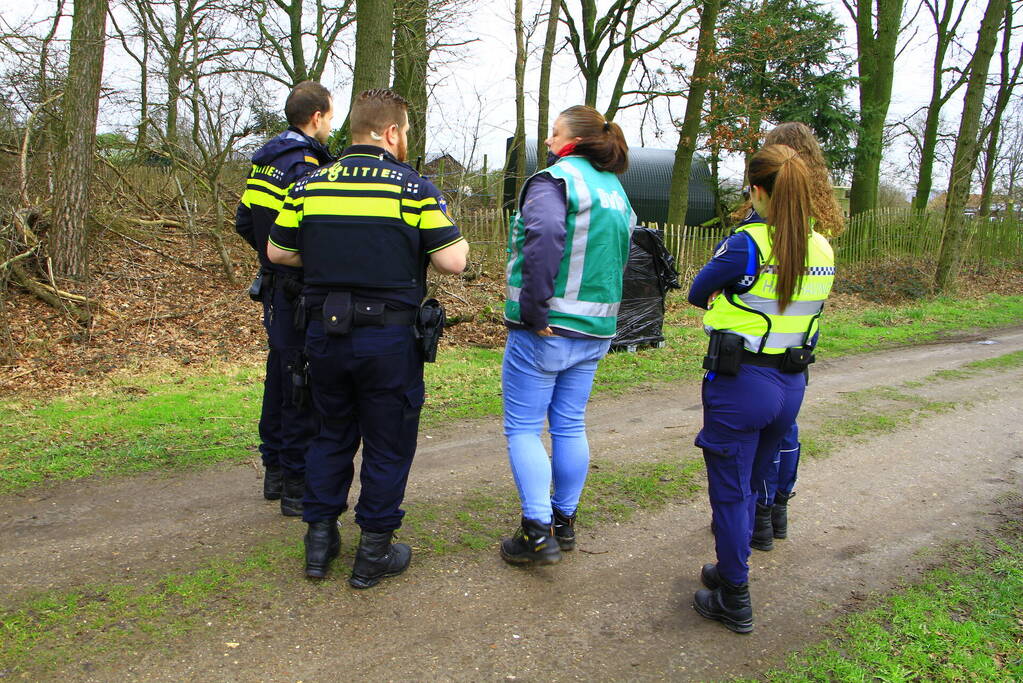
(745, 418)
(367, 387)
(782, 475)
(284, 428)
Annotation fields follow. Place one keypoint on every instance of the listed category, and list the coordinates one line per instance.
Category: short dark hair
(375, 110)
(307, 98)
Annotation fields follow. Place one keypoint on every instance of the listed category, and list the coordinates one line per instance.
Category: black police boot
(780, 514)
(273, 482)
(533, 543)
(291, 496)
(322, 544)
(378, 558)
(763, 537)
(564, 530)
(709, 576)
(728, 604)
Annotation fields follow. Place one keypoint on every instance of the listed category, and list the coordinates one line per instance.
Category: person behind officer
(285, 426)
(764, 298)
(568, 246)
(777, 488)
(364, 229)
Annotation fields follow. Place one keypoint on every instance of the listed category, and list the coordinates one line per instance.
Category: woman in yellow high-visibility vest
(764, 289)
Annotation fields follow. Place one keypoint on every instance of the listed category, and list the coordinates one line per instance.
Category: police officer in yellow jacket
(285, 426)
(765, 289)
(364, 229)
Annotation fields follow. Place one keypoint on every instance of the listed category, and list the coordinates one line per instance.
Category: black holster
(724, 353)
(256, 288)
(299, 370)
(429, 328)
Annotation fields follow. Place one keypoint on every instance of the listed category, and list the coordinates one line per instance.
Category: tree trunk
(517, 151)
(954, 227)
(78, 139)
(876, 70)
(678, 196)
(374, 46)
(298, 69)
(1008, 79)
(411, 59)
(544, 96)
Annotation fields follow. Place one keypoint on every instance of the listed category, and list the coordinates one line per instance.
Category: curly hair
(830, 221)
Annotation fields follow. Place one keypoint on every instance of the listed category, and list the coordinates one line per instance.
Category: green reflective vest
(588, 286)
(755, 315)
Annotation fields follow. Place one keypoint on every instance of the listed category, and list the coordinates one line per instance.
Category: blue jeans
(548, 378)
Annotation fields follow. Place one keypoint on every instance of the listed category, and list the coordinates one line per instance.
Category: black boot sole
(734, 626)
(762, 545)
(531, 558)
(363, 583)
(271, 495)
(566, 544)
(781, 534)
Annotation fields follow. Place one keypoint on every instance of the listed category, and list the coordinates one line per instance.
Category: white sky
(472, 108)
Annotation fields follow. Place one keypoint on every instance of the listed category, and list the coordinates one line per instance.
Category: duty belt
(407, 317)
(763, 360)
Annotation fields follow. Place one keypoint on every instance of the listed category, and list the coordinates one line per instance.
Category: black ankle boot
(564, 530)
(728, 604)
(378, 558)
(291, 496)
(709, 576)
(273, 482)
(780, 514)
(533, 543)
(322, 544)
(763, 537)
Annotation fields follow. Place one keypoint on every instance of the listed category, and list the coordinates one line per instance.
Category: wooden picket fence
(883, 235)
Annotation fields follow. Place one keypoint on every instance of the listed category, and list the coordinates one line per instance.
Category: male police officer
(285, 427)
(364, 229)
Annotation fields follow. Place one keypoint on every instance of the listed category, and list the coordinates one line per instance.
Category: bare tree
(954, 229)
(688, 132)
(68, 244)
(626, 31)
(284, 32)
(878, 23)
(544, 96)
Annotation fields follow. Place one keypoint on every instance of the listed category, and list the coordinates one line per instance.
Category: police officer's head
(584, 131)
(800, 137)
(780, 190)
(380, 117)
(310, 109)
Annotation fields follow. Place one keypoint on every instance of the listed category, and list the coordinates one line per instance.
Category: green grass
(962, 622)
(100, 621)
(161, 421)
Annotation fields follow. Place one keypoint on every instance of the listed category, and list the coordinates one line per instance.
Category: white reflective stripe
(771, 306)
(581, 234)
(590, 309)
(775, 340)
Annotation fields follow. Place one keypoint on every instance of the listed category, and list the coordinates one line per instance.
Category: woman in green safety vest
(567, 248)
(764, 290)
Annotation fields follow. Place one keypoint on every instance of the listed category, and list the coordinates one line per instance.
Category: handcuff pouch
(796, 359)
(338, 313)
(724, 353)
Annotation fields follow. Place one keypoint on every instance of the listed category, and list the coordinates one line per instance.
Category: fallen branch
(19, 257)
(51, 295)
(451, 294)
(158, 251)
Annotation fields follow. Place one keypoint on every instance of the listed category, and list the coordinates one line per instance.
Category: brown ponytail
(786, 179)
(602, 143)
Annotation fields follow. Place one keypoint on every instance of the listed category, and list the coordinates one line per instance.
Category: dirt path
(620, 611)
